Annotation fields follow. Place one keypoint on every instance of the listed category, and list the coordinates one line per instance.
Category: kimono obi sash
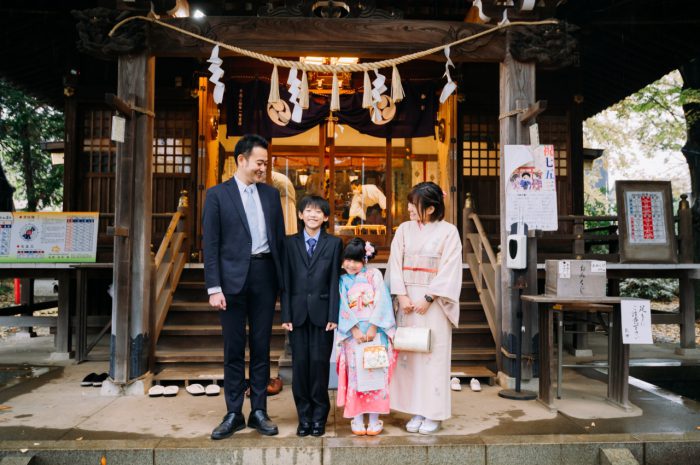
(419, 270)
(361, 300)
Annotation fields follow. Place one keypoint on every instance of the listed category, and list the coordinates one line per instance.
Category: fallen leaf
(79, 439)
(24, 451)
(5, 407)
(593, 423)
(37, 443)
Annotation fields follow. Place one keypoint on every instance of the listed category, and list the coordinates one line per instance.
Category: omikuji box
(575, 278)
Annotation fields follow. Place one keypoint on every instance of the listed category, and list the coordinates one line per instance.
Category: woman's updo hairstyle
(357, 250)
(425, 195)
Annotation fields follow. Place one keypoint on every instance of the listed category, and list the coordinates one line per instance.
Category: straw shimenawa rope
(359, 67)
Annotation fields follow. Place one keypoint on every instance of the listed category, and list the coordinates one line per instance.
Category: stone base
(508, 382)
(61, 356)
(617, 457)
(695, 352)
(137, 387)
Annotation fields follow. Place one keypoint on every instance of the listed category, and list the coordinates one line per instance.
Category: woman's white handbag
(412, 339)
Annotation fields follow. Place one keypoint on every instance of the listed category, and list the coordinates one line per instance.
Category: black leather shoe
(261, 422)
(304, 429)
(318, 428)
(231, 423)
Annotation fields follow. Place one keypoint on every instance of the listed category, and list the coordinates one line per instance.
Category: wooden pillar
(517, 92)
(70, 158)
(132, 221)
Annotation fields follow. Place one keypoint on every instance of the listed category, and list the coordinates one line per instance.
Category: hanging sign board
(636, 321)
(645, 221)
(48, 237)
(531, 193)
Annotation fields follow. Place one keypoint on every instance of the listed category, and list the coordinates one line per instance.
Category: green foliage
(663, 290)
(24, 124)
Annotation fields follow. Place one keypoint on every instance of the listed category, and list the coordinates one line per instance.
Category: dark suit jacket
(227, 242)
(311, 285)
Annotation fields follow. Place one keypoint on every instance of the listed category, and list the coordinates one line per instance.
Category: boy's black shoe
(318, 429)
(304, 429)
(89, 379)
(231, 423)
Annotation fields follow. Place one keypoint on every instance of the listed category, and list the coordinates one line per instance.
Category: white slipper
(455, 385)
(414, 424)
(156, 391)
(195, 389)
(429, 427)
(475, 385)
(170, 391)
(213, 389)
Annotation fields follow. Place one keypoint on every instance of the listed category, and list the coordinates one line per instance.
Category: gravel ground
(670, 333)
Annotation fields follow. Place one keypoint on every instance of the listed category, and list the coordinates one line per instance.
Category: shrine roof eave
(293, 37)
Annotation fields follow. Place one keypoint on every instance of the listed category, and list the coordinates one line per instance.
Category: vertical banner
(531, 193)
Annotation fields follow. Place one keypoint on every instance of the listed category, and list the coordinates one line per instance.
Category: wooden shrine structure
(599, 52)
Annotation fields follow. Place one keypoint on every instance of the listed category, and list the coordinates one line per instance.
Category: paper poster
(646, 220)
(636, 322)
(48, 237)
(598, 266)
(531, 194)
(564, 269)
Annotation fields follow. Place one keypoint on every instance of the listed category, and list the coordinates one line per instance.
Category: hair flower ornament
(369, 250)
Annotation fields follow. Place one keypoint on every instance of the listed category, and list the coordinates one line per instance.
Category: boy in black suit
(310, 303)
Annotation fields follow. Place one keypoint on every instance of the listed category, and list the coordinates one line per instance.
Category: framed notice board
(645, 222)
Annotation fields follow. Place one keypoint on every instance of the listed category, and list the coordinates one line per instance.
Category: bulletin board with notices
(48, 237)
(645, 222)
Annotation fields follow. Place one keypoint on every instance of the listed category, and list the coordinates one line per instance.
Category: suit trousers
(255, 304)
(311, 353)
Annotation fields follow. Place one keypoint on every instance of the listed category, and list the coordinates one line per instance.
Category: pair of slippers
(165, 391)
(199, 390)
(94, 379)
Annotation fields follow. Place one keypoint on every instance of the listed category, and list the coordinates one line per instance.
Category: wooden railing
(483, 265)
(168, 264)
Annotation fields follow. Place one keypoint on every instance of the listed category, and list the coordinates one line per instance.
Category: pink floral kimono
(364, 301)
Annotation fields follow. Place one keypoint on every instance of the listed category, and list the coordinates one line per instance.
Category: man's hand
(288, 326)
(405, 304)
(330, 326)
(218, 301)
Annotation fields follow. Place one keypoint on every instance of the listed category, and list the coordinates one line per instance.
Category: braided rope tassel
(396, 88)
(274, 87)
(335, 94)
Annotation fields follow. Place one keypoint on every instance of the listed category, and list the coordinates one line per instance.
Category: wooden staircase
(190, 346)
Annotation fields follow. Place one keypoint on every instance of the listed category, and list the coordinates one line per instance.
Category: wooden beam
(292, 37)
(530, 115)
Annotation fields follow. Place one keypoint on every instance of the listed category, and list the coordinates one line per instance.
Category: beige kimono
(426, 260)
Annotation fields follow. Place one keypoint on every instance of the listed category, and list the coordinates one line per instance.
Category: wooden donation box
(575, 278)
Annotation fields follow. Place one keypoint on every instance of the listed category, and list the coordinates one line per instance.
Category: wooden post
(517, 92)
(132, 219)
(685, 230)
(467, 227)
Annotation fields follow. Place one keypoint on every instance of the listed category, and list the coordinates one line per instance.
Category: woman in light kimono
(365, 312)
(425, 269)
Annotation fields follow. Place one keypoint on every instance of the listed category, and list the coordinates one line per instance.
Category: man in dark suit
(243, 246)
(310, 303)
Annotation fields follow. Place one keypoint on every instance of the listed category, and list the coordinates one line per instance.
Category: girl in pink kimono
(425, 269)
(365, 313)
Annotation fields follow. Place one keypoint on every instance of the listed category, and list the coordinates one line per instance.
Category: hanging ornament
(367, 93)
(450, 86)
(274, 87)
(480, 7)
(216, 74)
(294, 91)
(335, 93)
(396, 87)
(378, 89)
(505, 21)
